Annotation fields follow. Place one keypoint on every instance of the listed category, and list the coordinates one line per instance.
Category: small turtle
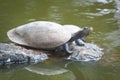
(45, 35)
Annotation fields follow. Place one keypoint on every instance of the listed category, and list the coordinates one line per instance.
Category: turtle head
(85, 32)
(81, 33)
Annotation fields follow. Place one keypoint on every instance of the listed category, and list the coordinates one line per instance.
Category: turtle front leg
(80, 42)
(67, 49)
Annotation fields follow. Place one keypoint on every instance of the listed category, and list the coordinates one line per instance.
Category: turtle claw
(80, 42)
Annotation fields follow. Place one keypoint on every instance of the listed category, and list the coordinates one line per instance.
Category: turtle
(45, 35)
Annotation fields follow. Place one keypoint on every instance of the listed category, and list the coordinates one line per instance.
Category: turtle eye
(88, 28)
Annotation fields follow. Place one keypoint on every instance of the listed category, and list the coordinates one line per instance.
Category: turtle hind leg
(67, 49)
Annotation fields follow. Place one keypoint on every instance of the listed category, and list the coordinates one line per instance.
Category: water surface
(102, 15)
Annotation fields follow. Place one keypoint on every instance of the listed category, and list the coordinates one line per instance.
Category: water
(102, 15)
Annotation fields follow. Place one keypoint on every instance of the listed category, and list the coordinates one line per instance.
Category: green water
(103, 17)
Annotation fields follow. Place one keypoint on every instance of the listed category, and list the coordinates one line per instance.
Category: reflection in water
(51, 70)
(117, 13)
(55, 13)
(104, 1)
(89, 2)
(114, 38)
(11, 68)
(77, 3)
(29, 9)
(94, 71)
(29, 5)
(101, 12)
(46, 71)
(89, 71)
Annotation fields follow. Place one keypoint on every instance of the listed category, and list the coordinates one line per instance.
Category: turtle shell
(39, 34)
(72, 28)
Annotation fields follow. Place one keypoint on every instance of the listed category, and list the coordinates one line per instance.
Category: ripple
(101, 12)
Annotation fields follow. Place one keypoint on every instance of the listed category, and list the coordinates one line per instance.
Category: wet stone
(14, 54)
(11, 54)
(89, 52)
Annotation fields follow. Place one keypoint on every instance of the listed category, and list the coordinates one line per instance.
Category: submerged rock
(89, 52)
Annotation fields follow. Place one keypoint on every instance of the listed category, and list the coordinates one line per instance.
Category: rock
(11, 53)
(15, 54)
(89, 52)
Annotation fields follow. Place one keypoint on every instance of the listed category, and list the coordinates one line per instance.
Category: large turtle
(45, 35)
